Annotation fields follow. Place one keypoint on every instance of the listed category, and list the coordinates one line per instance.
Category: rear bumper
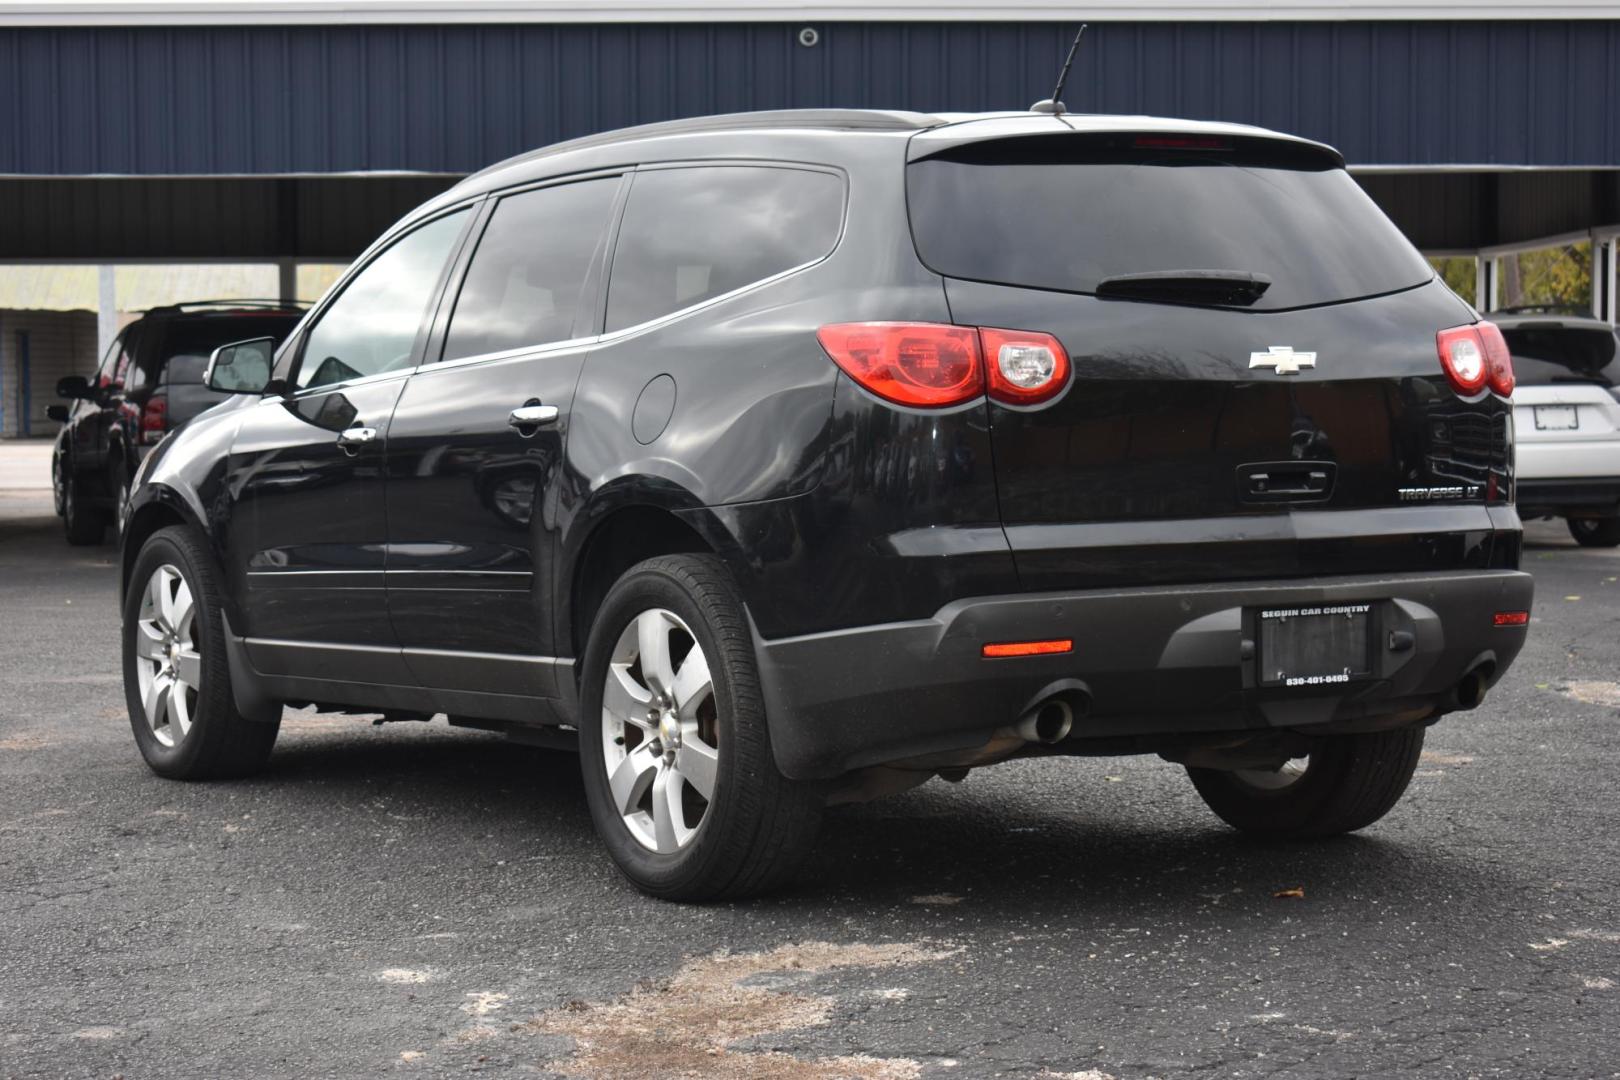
(1154, 661)
(1595, 495)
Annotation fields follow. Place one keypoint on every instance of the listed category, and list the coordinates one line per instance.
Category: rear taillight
(1025, 368)
(935, 365)
(929, 365)
(154, 419)
(1475, 357)
(1498, 358)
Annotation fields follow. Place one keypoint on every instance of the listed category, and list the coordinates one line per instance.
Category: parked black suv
(149, 383)
(789, 458)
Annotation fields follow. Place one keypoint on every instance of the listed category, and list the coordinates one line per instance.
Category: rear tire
(84, 525)
(659, 750)
(1347, 783)
(1595, 532)
(177, 682)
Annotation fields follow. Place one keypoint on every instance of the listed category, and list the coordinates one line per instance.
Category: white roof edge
(15, 13)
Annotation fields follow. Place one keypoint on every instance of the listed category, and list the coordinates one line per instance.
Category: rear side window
(690, 234)
(1068, 212)
(525, 285)
(1545, 354)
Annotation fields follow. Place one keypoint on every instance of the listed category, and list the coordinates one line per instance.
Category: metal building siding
(450, 99)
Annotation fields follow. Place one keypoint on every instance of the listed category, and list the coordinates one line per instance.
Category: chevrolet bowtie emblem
(1283, 358)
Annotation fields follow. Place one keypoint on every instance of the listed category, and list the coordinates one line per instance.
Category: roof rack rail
(187, 305)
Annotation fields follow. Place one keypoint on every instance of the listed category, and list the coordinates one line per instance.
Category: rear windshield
(1068, 212)
(1551, 352)
(199, 337)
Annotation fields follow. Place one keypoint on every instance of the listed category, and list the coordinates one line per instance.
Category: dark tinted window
(372, 326)
(1068, 212)
(1553, 352)
(691, 234)
(184, 342)
(526, 282)
(185, 368)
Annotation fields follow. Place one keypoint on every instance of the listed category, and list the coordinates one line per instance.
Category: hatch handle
(1286, 481)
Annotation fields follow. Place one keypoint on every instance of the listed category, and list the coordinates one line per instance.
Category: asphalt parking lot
(418, 900)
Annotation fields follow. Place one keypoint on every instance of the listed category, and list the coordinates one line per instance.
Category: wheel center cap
(669, 731)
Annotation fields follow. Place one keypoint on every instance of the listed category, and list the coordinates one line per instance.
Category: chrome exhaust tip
(1049, 722)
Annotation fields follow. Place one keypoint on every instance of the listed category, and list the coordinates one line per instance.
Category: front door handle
(529, 416)
(356, 437)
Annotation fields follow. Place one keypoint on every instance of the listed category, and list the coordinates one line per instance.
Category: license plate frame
(1315, 645)
(1556, 417)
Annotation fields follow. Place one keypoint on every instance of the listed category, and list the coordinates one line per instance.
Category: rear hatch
(1256, 390)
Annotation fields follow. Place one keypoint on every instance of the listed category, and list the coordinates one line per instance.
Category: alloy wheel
(168, 661)
(659, 731)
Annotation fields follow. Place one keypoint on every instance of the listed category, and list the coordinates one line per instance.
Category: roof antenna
(1054, 104)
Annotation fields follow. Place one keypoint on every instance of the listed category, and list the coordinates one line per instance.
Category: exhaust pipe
(1470, 692)
(1049, 722)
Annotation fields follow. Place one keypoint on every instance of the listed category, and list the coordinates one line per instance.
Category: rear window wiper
(1188, 286)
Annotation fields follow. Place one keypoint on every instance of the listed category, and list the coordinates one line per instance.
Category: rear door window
(693, 233)
(527, 280)
(1068, 212)
(1549, 353)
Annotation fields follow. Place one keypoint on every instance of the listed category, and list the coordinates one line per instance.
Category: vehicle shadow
(1054, 841)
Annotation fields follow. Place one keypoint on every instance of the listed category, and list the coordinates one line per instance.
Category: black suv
(149, 383)
(792, 458)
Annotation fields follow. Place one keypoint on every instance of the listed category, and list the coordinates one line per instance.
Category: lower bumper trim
(1154, 660)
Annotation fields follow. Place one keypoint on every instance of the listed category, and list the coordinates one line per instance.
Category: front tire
(177, 683)
(1346, 783)
(1595, 532)
(679, 774)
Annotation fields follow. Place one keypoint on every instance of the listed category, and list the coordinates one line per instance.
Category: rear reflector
(928, 365)
(1510, 618)
(1028, 648)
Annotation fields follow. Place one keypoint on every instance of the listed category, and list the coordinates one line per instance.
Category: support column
(1607, 288)
(106, 309)
(1484, 283)
(287, 280)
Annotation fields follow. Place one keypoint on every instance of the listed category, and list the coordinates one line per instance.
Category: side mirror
(74, 387)
(241, 368)
(59, 413)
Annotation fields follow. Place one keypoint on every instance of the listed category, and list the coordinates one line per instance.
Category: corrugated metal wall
(452, 99)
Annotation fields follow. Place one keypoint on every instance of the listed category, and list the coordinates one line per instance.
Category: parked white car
(1566, 419)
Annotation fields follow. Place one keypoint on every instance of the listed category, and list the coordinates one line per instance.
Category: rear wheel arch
(621, 539)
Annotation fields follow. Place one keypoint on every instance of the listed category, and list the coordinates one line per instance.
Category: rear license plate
(1314, 646)
(1557, 418)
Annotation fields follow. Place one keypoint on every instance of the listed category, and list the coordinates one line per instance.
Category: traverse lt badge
(1283, 358)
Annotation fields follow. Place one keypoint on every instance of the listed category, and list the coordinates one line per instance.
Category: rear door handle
(355, 437)
(533, 416)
